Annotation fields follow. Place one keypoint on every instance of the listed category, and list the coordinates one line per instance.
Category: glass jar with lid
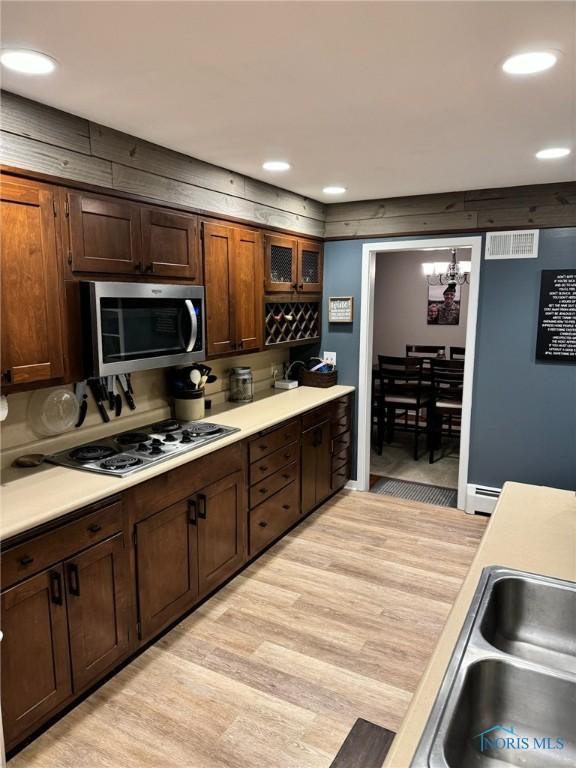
(241, 385)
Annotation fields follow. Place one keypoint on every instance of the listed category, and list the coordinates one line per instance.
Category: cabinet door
(170, 244)
(281, 264)
(31, 285)
(310, 265)
(105, 234)
(316, 466)
(97, 594)
(247, 289)
(166, 557)
(221, 531)
(35, 660)
(218, 245)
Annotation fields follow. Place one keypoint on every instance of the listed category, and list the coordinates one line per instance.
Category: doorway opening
(417, 340)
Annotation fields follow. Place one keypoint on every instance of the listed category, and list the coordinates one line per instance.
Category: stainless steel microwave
(135, 326)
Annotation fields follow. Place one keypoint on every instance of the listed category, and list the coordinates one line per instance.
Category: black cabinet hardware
(192, 511)
(202, 511)
(26, 560)
(73, 580)
(262, 523)
(56, 588)
(94, 528)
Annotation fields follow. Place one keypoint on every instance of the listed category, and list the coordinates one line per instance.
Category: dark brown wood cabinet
(292, 264)
(221, 514)
(167, 565)
(316, 465)
(170, 245)
(233, 277)
(97, 592)
(31, 293)
(105, 234)
(35, 660)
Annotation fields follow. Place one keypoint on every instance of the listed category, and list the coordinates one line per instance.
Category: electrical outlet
(329, 357)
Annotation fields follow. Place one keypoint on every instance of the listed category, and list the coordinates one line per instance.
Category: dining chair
(447, 378)
(400, 390)
(457, 353)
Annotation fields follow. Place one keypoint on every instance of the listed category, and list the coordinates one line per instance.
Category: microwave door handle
(193, 324)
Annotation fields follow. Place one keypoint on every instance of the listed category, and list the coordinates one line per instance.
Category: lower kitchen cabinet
(221, 515)
(316, 465)
(35, 655)
(167, 565)
(97, 595)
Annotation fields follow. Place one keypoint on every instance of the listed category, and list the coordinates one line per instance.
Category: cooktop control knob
(170, 438)
(142, 447)
(156, 441)
(155, 450)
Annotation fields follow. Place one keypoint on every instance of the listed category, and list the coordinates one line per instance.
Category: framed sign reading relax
(340, 309)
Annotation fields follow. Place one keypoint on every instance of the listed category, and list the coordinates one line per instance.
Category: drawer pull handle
(262, 468)
(285, 506)
(263, 447)
(94, 528)
(73, 580)
(286, 477)
(262, 523)
(287, 456)
(263, 490)
(192, 513)
(26, 560)
(56, 588)
(202, 506)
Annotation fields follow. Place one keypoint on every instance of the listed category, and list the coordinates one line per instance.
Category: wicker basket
(317, 379)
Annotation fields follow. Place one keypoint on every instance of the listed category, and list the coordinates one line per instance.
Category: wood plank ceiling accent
(42, 139)
(543, 205)
(38, 138)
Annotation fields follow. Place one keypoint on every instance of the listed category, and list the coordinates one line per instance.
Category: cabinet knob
(263, 447)
(286, 455)
(285, 506)
(263, 490)
(26, 560)
(262, 523)
(94, 528)
(263, 468)
(285, 476)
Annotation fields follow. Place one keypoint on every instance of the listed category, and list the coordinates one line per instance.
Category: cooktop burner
(198, 428)
(166, 426)
(135, 450)
(92, 452)
(123, 461)
(132, 438)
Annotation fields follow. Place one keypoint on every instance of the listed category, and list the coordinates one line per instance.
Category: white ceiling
(385, 98)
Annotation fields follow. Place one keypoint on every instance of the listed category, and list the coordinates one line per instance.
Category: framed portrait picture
(340, 309)
(444, 304)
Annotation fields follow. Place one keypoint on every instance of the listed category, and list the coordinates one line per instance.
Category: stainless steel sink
(509, 693)
(533, 620)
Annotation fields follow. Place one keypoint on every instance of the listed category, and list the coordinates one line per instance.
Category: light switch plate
(329, 357)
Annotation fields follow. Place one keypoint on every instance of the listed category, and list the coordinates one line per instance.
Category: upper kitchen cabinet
(233, 279)
(170, 244)
(310, 260)
(105, 234)
(292, 265)
(31, 287)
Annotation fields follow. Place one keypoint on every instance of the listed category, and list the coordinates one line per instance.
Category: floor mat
(429, 494)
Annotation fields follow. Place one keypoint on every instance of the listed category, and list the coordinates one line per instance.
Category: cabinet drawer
(341, 458)
(270, 519)
(316, 417)
(270, 485)
(340, 477)
(273, 462)
(269, 442)
(341, 442)
(341, 424)
(43, 551)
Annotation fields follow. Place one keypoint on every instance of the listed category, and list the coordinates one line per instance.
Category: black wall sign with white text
(557, 316)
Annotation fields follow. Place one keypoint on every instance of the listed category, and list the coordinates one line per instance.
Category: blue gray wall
(523, 411)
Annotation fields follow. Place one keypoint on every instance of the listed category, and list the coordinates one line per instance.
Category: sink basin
(509, 692)
(534, 705)
(532, 620)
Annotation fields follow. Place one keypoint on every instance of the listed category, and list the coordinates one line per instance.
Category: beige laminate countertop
(532, 529)
(30, 497)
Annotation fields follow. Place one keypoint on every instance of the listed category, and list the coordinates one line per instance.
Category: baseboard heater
(482, 499)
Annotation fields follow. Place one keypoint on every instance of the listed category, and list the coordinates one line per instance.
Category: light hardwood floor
(335, 622)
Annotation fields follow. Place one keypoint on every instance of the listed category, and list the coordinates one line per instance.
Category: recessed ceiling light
(276, 165)
(530, 63)
(553, 153)
(334, 190)
(28, 62)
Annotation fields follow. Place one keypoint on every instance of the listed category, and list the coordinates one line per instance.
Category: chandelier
(444, 273)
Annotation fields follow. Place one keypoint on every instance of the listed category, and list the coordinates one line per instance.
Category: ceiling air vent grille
(512, 245)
